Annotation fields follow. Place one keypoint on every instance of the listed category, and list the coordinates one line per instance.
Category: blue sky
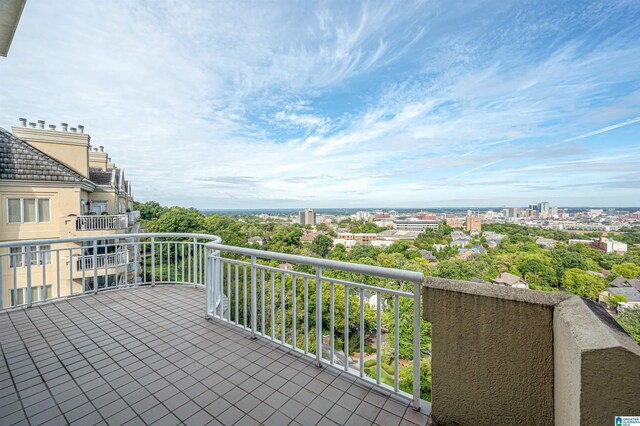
(343, 104)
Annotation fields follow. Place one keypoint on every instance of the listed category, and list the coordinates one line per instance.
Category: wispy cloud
(603, 130)
(471, 171)
(390, 103)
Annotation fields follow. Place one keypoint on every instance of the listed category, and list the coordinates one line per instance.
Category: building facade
(415, 225)
(474, 223)
(53, 184)
(307, 217)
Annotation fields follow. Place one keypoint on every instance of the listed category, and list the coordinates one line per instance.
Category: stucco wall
(505, 356)
(597, 366)
(492, 354)
(64, 200)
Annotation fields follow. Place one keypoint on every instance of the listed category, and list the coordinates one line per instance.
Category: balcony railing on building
(102, 261)
(102, 222)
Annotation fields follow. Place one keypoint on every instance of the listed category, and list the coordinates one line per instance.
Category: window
(15, 209)
(39, 255)
(44, 210)
(99, 207)
(16, 260)
(44, 255)
(38, 294)
(28, 210)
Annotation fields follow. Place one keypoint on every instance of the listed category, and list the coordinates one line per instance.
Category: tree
(339, 252)
(405, 328)
(179, 219)
(537, 269)
(400, 246)
(321, 245)
(613, 300)
(406, 378)
(323, 227)
(582, 283)
(627, 270)
(629, 319)
(150, 210)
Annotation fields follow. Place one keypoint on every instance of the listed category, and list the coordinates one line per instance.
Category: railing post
(153, 262)
(136, 252)
(95, 266)
(254, 296)
(220, 283)
(209, 277)
(416, 345)
(318, 316)
(195, 261)
(28, 261)
(1, 272)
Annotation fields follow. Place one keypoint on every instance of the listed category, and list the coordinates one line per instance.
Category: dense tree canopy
(582, 283)
(149, 210)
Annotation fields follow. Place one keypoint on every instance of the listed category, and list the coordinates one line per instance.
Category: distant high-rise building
(307, 217)
(543, 207)
(474, 223)
(454, 221)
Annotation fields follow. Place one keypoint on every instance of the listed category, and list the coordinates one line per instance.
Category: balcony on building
(182, 329)
(102, 222)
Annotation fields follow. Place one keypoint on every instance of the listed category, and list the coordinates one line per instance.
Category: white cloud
(247, 104)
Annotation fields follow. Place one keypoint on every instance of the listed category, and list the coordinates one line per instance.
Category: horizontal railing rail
(264, 300)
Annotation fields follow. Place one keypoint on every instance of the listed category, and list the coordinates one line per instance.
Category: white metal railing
(295, 309)
(76, 266)
(108, 260)
(101, 222)
(247, 294)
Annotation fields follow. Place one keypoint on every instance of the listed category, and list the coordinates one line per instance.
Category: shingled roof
(99, 176)
(21, 161)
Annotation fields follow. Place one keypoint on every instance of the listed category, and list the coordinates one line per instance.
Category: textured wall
(492, 354)
(597, 366)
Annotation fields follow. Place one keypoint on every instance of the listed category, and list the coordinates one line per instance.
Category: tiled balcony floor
(148, 356)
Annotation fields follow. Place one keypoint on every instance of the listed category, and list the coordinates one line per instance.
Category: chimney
(81, 128)
(41, 124)
(95, 149)
(73, 129)
(64, 126)
(52, 126)
(23, 121)
(101, 148)
(32, 124)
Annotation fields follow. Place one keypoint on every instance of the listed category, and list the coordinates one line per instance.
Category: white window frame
(37, 258)
(13, 296)
(37, 207)
(104, 203)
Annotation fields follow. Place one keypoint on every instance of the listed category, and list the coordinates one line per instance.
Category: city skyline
(427, 105)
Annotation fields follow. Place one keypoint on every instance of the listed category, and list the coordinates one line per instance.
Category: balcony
(102, 222)
(196, 334)
(102, 261)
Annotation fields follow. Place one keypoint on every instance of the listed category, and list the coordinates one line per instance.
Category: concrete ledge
(597, 366)
(495, 291)
(514, 356)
